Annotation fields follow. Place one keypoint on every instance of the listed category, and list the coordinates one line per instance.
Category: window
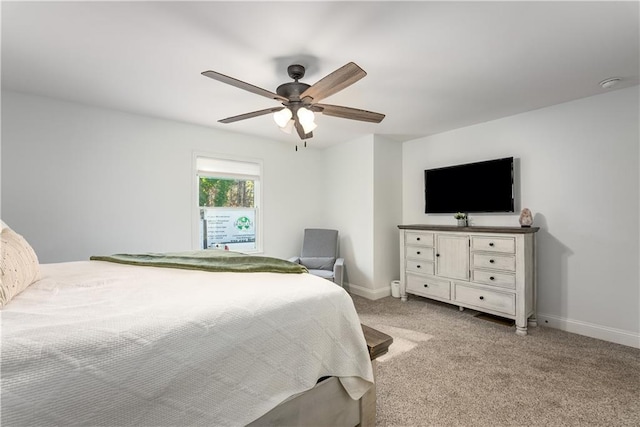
(228, 204)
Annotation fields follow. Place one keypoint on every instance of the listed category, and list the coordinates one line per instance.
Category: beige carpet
(450, 368)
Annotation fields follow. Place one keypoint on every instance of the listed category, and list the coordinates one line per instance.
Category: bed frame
(328, 404)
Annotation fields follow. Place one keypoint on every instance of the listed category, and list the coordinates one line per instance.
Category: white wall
(364, 202)
(387, 213)
(579, 165)
(80, 181)
(348, 207)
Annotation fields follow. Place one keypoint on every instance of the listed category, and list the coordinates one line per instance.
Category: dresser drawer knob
(492, 278)
(481, 297)
(418, 253)
(437, 254)
(491, 244)
(417, 238)
(491, 261)
(426, 286)
(418, 266)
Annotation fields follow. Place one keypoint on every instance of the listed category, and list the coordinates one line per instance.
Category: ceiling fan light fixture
(283, 117)
(309, 127)
(288, 128)
(306, 118)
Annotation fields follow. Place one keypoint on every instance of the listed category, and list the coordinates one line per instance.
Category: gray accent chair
(320, 254)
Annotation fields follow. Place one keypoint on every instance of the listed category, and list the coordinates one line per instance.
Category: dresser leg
(520, 330)
(461, 308)
(533, 321)
(403, 298)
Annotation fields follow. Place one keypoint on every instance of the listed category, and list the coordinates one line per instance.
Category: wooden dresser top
(494, 229)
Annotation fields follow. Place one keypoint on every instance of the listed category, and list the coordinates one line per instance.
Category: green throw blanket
(208, 260)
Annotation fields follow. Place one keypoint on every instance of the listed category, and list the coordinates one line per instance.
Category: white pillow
(19, 265)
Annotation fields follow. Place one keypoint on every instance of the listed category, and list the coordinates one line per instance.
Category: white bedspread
(95, 343)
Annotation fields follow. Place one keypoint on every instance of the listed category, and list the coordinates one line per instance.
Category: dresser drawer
(421, 239)
(494, 261)
(505, 245)
(419, 253)
(428, 286)
(424, 267)
(485, 299)
(504, 280)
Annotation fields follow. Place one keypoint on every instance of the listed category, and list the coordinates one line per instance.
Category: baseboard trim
(618, 336)
(372, 294)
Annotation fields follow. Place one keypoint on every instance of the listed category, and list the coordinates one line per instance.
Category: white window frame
(195, 199)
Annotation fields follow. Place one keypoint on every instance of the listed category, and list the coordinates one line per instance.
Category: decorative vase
(462, 222)
(526, 219)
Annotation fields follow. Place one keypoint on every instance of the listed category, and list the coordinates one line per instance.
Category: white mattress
(96, 343)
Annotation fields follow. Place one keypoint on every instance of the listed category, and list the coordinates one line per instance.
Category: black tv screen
(470, 188)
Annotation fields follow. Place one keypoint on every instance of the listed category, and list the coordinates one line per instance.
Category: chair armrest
(295, 259)
(338, 271)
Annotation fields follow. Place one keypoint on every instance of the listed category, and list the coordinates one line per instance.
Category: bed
(104, 343)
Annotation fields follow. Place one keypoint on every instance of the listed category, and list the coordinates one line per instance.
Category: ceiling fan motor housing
(292, 90)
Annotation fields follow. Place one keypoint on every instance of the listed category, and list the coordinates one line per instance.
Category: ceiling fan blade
(348, 113)
(334, 82)
(250, 115)
(300, 130)
(243, 85)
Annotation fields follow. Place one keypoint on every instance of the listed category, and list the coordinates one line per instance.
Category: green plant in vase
(462, 219)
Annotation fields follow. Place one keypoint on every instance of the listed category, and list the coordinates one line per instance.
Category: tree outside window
(219, 192)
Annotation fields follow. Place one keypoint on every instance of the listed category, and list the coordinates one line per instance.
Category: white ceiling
(432, 66)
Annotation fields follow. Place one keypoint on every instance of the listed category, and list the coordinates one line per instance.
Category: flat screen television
(470, 188)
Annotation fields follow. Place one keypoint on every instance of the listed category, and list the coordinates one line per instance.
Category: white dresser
(489, 269)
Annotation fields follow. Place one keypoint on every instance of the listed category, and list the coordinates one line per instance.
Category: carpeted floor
(452, 368)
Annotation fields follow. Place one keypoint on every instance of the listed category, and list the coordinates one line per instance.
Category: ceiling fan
(300, 100)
